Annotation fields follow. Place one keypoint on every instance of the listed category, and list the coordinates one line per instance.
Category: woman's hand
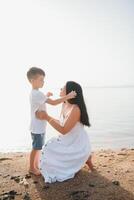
(71, 95)
(49, 94)
(42, 115)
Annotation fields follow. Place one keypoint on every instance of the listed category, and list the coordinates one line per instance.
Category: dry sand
(112, 180)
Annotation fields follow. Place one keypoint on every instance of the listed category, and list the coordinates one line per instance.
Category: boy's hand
(49, 94)
(71, 95)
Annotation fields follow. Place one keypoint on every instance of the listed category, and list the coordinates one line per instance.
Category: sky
(88, 41)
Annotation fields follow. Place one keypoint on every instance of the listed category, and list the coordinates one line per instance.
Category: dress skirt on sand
(63, 156)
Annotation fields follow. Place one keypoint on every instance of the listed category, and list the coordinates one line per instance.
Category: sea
(111, 114)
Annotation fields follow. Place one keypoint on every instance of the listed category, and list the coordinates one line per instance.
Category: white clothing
(64, 155)
(37, 102)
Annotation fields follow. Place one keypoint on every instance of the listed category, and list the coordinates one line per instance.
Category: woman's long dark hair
(78, 100)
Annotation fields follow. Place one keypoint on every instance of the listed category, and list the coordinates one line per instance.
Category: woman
(63, 156)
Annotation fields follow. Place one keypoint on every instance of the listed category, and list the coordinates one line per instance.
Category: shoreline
(94, 149)
(112, 180)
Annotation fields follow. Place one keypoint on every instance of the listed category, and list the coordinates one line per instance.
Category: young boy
(38, 102)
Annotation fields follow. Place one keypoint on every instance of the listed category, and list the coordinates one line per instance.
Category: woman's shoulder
(73, 110)
(76, 109)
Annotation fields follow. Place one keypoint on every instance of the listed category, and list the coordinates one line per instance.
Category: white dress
(65, 155)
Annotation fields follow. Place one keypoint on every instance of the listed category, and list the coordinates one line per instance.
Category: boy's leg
(34, 154)
(39, 145)
(32, 159)
(37, 159)
(33, 168)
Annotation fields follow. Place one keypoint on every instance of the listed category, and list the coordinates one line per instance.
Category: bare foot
(90, 165)
(36, 172)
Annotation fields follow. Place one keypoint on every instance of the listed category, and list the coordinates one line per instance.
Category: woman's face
(63, 91)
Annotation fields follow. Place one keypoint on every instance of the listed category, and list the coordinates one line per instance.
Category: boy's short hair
(33, 72)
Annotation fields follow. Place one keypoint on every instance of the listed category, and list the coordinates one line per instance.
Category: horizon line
(110, 86)
(103, 86)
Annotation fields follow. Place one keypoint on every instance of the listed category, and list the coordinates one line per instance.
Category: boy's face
(38, 81)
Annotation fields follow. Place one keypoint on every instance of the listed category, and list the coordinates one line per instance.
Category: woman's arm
(73, 118)
(71, 95)
(42, 116)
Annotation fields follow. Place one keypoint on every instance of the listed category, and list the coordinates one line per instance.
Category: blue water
(111, 113)
(112, 117)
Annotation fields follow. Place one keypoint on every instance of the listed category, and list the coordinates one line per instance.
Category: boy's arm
(71, 95)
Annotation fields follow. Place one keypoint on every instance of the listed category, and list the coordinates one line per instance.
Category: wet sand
(113, 179)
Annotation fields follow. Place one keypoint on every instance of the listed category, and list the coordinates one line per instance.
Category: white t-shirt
(37, 101)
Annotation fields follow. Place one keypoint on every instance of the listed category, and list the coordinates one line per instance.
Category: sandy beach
(113, 179)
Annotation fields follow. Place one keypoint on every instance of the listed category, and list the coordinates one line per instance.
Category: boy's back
(37, 102)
